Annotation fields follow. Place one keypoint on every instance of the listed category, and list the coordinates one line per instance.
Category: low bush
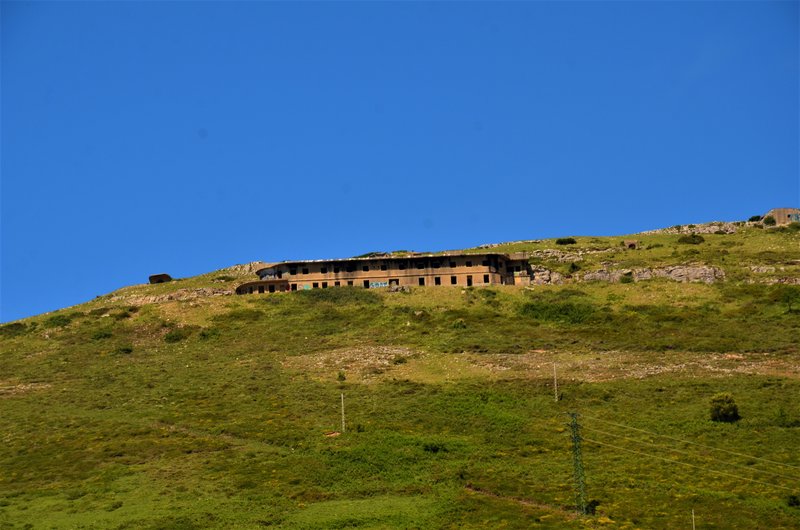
(691, 239)
(179, 334)
(13, 330)
(101, 334)
(755, 219)
(724, 408)
(769, 221)
(57, 321)
(566, 312)
(566, 241)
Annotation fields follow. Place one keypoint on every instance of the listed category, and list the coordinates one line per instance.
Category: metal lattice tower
(577, 460)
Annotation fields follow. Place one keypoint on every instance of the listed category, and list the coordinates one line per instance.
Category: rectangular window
(422, 281)
(452, 264)
(469, 264)
(437, 280)
(261, 288)
(350, 282)
(518, 268)
(365, 268)
(292, 271)
(469, 281)
(272, 288)
(436, 265)
(402, 266)
(420, 265)
(384, 267)
(351, 268)
(366, 284)
(325, 285)
(485, 263)
(323, 270)
(453, 280)
(335, 269)
(305, 270)
(485, 278)
(315, 285)
(337, 284)
(294, 287)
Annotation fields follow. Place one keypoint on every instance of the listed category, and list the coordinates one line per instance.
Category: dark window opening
(469, 281)
(261, 288)
(315, 285)
(485, 263)
(365, 268)
(250, 290)
(518, 268)
(324, 285)
(323, 270)
(394, 281)
(292, 271)
(452, 264)
(336, 269)
(305, 270)
(272, 288)
(337, 284)
(453, 280)
(294, 287)
(366, 284)
(436, 265)
(280, 274)
(422, 281)
(485, 278)
(402, 266)
(350, 282)
(420, 265)
(351, 268)
(469, 264)
(384, 267)
(437, 280)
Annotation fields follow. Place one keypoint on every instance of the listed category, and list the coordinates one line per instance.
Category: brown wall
(784, 216)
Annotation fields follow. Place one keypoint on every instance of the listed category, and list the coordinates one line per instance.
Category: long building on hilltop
(386, 270)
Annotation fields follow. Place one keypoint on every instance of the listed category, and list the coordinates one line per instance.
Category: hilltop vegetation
(211, 410)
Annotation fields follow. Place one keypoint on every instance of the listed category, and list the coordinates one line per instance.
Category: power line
(691, 454)
(693, 443)
(687, 464)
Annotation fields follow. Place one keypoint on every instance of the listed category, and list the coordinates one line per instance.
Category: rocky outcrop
(179, 295)
(705, 228)
(678, 273)
(542, 276)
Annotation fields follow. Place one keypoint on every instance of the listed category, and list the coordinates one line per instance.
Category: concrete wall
(784, 216)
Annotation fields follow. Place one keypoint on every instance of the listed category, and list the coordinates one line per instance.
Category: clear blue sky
(144, 137)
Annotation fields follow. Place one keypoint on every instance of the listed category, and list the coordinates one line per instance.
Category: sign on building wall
(374, 285)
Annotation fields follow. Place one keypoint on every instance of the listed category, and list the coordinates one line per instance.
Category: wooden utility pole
(342, 411)
(555, 383)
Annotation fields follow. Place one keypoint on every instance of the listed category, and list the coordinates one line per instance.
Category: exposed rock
(566, 256)
(705, 228)
(180, 294)
(762, 268)
(542, 276)
(678, 273)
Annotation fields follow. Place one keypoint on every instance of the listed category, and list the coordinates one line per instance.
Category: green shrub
(691, 239)
(57, 321)
(574, 267)
(769, 221)
(459, 323)
(224, 278)
(755, 219)
(178, 334)
(794, 226)
(626, 278)
(101, 334)
(654, 245)
(724, 408)
(13, 330)
(566, 312)
(566, 241)
(721, 232)
(125, 349)
(793, 501)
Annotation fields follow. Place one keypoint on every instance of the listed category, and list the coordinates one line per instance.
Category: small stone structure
(160, 278)
(631, 244)
(784, 216)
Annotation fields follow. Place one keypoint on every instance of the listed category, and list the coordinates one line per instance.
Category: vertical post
(555, 383)
(693, 519)
(342, 411)
(577, 460)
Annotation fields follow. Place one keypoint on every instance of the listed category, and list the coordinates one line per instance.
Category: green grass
(213, 412)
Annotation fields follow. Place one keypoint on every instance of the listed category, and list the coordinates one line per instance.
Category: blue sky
(180, 137)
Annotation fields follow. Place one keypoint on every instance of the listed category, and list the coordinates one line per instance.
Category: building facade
(372, 272)
(784, 216)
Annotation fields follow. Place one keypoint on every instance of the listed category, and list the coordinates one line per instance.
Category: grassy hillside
(211, 410)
